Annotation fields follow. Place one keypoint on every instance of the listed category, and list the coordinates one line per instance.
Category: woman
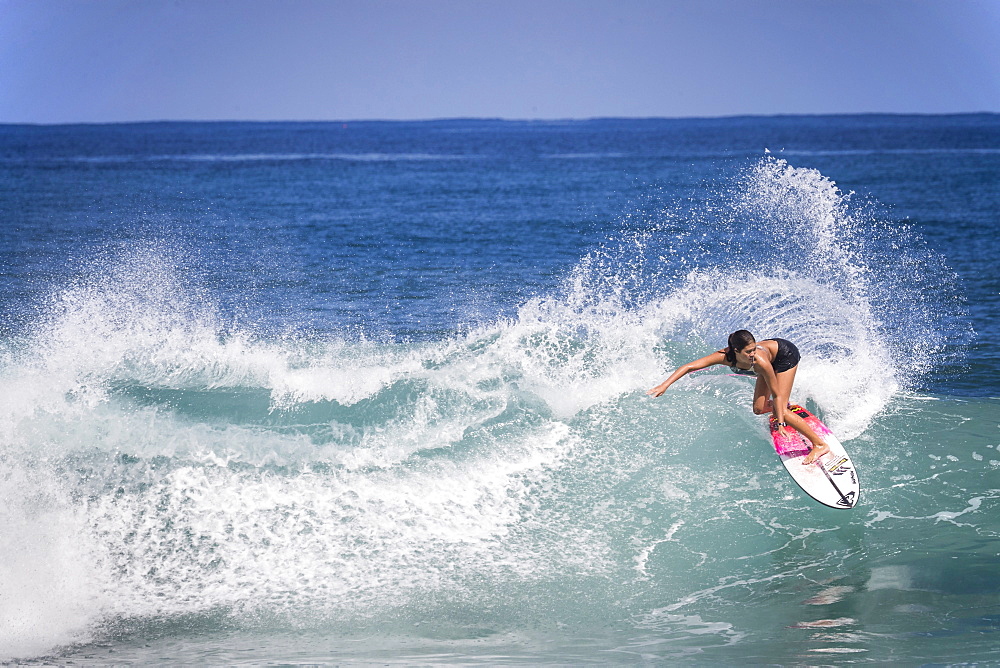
(773, 362)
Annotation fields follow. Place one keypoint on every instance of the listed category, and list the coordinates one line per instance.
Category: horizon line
(500, 119)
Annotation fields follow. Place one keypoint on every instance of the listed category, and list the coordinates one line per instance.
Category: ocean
(374, 392)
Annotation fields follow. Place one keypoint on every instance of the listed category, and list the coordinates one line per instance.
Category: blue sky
(132, 60)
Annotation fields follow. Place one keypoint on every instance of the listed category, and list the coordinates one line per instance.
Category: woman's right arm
(718, 357)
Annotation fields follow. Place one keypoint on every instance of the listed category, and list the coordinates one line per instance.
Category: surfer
(773, 362)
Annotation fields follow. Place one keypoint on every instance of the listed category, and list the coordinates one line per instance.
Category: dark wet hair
(738, 340)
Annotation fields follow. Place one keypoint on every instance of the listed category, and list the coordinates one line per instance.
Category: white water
(159, 462)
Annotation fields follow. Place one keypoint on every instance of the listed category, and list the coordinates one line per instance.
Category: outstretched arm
(717, 357)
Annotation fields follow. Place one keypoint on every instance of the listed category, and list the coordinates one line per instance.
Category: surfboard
(831, 479)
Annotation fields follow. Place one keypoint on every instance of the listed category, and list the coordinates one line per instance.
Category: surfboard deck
(832, 479)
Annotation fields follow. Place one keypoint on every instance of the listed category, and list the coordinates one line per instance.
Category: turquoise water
(280, 394)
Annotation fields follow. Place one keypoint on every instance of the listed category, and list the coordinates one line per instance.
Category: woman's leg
(761, 397)
(782, 394)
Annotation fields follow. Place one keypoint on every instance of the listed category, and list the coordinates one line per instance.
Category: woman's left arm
(778, 404)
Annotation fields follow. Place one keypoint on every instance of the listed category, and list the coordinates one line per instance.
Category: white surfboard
(831, 479)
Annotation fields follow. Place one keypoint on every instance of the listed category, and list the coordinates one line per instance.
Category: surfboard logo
(837, 468)
(846, 500)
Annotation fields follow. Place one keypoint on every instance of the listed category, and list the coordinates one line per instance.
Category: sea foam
(162, 460)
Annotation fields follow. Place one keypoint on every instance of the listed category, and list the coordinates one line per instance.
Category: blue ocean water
(375, 391)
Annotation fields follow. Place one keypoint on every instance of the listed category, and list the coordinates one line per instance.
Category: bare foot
(816, 452)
